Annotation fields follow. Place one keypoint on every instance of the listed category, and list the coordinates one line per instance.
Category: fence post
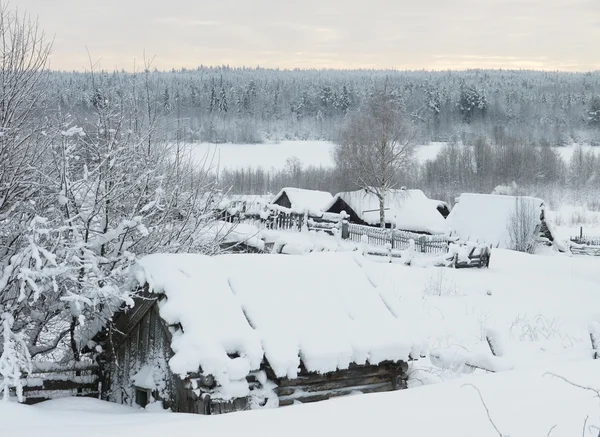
(345, 230)
(391, 239)
(581, 232)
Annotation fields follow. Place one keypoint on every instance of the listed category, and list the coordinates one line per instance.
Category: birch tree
(376, 146)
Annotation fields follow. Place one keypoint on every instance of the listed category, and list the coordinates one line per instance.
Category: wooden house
(406, 210)
(210, 335)
(302, 200)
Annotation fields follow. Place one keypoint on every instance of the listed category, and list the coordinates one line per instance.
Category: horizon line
(321, 69)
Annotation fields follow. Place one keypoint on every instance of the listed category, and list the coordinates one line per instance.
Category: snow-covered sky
(403, 34)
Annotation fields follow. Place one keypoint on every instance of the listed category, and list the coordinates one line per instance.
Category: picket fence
(334, 223)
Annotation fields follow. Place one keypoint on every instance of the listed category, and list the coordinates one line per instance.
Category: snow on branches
(14, 359)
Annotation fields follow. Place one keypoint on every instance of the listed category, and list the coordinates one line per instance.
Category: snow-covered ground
(536, 308)
(267, 155)
(520, 403)
(570, 219)
(310, 153)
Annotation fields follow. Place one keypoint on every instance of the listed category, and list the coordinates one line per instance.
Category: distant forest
(502, 127)
(249, 105)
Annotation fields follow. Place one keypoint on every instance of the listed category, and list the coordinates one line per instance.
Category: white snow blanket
(305, 200)
(523, 403)
(322, 310)
(408, 210)
(485, 218)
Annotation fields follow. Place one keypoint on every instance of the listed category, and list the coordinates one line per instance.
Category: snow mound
(408, 210)
(485, 217)
(234, 310)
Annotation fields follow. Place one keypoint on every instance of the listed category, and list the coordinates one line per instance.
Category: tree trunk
(382, 211)
(74, 348)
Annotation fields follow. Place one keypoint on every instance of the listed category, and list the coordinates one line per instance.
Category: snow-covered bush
(439, 284)
(524, 226)
(14, 360)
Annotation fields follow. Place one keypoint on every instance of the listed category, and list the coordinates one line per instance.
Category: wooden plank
(37, 399)
(70, 367)
(144, 334)
(62, 385)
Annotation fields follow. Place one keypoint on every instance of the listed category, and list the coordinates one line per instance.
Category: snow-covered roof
(409, 210)
(306, 200)
(485, 217)
(236, 309)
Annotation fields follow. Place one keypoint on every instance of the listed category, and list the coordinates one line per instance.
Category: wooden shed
(210, 335)
(302, 200)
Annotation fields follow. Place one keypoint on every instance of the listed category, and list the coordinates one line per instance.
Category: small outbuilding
(302, 200)
(486, 218)
(406, 210)
(210, 335)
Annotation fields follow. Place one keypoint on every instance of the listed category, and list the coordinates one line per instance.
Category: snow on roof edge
(250, 319)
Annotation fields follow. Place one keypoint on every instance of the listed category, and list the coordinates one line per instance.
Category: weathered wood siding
(283, 200)
(312, 387)
(141, 338)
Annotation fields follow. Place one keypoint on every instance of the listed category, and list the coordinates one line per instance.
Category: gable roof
(409, 210)
(305, 200)
(485, 217)
(234, 313)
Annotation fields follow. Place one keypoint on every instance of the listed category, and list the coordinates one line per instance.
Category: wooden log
(336, 384)
(324, 395)
(353, 372)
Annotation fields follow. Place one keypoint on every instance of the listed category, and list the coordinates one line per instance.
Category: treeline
(246, 105)
(479, 166)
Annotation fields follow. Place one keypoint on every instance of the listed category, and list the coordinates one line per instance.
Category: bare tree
(24, 52)
(376, 146)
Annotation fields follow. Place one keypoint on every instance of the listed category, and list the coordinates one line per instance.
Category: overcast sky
(414, 34)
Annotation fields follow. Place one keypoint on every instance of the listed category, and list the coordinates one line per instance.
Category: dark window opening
(142, 397)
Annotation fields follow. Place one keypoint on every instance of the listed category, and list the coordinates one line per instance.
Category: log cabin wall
(312, 387)
(141, 338)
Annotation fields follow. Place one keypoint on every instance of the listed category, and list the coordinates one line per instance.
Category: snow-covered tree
(14, 360)
(376, 146)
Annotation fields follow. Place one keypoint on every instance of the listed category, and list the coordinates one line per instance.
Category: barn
(485, 218)
(210, 335)
(407, 210)
(302, 200)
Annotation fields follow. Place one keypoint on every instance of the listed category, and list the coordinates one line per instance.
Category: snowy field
(267, 155)
(536, 309)
(570, 219)
(310, 153)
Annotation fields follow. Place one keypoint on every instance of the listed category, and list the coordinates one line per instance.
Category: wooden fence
(399, 239)
(585, 245)
(587, 241)
(333, 223)
(50, 381)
